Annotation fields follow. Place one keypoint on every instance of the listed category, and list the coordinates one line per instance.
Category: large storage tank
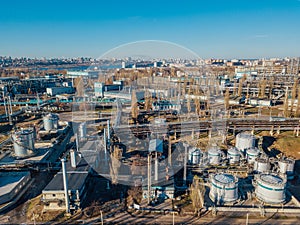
(233, 155)
(214, 156)
(286, 166)
(245, 141)
(270, 188)
(252, 154)
(82, 130)
(51, 122)
(224, 188)
(261, 165)
(23, 141)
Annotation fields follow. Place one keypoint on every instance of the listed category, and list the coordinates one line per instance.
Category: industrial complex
(170, 137)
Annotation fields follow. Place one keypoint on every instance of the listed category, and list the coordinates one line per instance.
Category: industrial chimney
(73, 158)
(65, 180)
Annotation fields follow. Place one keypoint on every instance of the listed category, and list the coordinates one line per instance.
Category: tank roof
(24, 132)
(233, 151)
(252, 151)
(224, 178)
(214, 151)
(271, 179)
(246, 135)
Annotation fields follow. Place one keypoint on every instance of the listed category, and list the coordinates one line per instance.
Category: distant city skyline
(211, 29)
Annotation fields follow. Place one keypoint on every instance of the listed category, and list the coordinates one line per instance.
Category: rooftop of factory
(76, 177)
(9, 180)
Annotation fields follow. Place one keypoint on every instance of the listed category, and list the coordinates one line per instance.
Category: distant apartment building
(53, 91)
(86, 74)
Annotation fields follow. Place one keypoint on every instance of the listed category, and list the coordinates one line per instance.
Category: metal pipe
(65, 180)
(156, 167)
(184, 164)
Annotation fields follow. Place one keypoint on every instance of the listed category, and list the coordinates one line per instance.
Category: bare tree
(197, 192)
(286, 104)
(263, 88)
(134, 106)
(297, 113)
(148, 100)
(294, 94)
(79, 85)
(241, 82)
(226, 99)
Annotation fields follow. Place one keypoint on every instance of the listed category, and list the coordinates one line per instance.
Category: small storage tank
(252, 154)
(195, 157)
(233, 156)
(214, 156)
(270, 188)
(51, 122)
(23, 141)
(286, 166)
(224, 188)
(245, 141)
(261, 165)
(82, 130)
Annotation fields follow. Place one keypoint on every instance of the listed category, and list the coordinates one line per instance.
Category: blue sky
(219, 29)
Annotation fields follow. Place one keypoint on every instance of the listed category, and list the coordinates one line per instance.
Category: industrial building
(53, 194)
(165, 106)
(53, 91)
(100, 87)
(13, 184)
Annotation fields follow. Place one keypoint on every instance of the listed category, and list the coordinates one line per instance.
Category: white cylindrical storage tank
(23, 141)
(196, 155)
(286, 166)
(252, 154)
(82, 130)
(261, 165)
(245, 141)
(270, 188)
(224, 188)
(214, 156)
(233, 156)
(51, 122)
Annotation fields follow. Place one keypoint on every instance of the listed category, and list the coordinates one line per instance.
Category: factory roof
(76, 177)
(8, 180)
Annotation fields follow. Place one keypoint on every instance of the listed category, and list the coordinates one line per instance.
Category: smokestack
(108, 131)
(104, 139)
(65, 180)
(184, 164)
(73, 158)
(77, 142)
